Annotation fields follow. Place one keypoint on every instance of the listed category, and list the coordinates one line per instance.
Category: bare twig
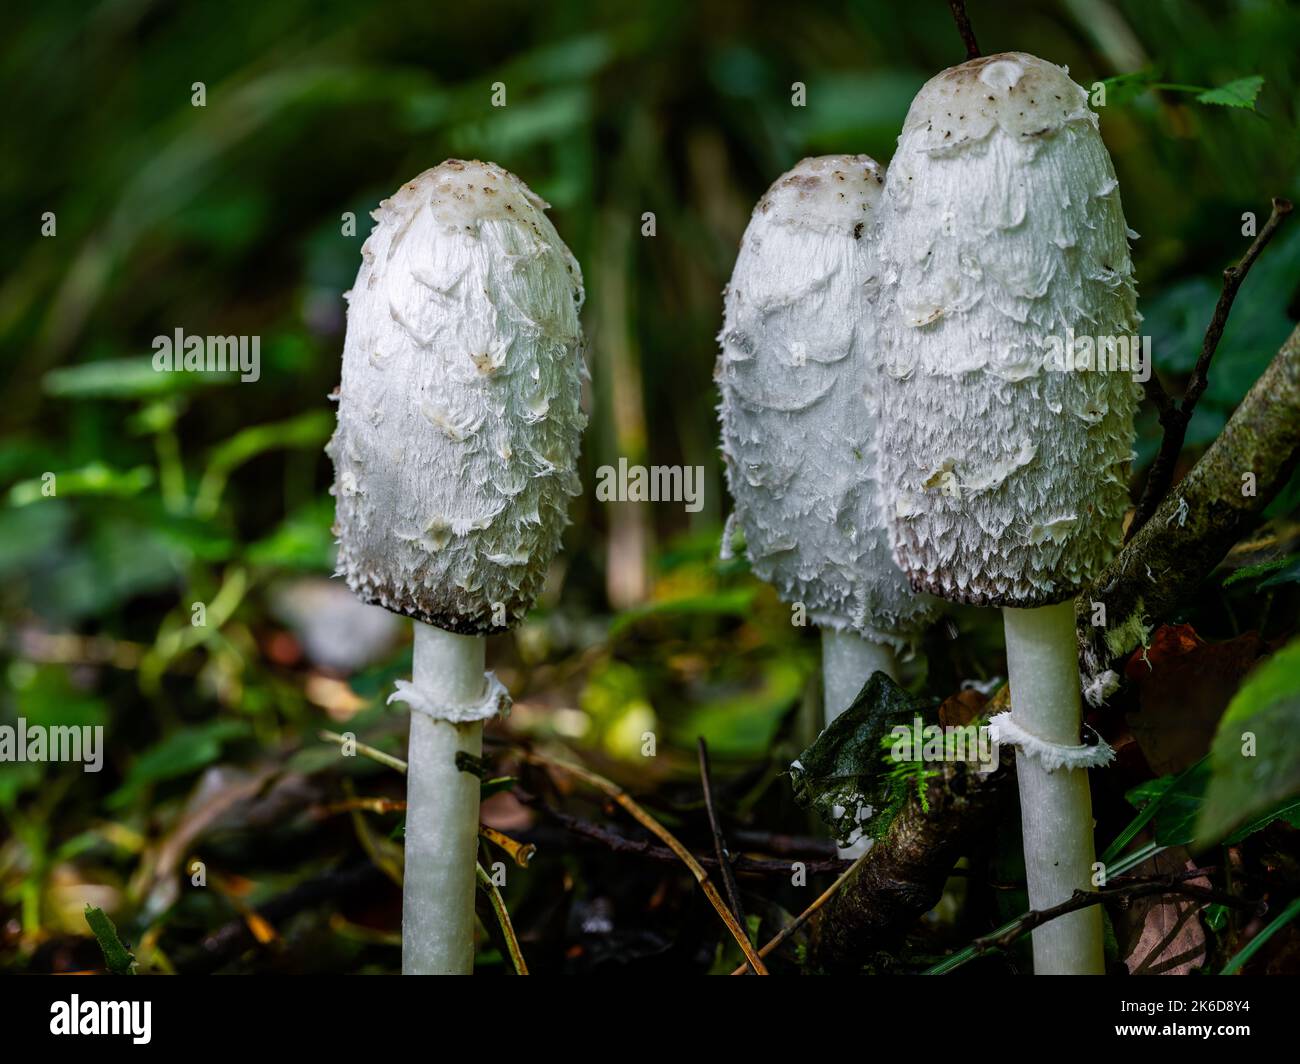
(1233, 276)
(503, 918)
(521, 852)
(366, 805)
(782, 845)
(366, 751)
(958, 8)
(719, 842)
(804, 916)
(742, 863)
(1159, 397)
(617, 794)
(1122, 893)
(1196, 525)
(1175, 417)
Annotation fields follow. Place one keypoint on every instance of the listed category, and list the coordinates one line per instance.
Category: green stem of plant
(1253, 946)
(171, 472)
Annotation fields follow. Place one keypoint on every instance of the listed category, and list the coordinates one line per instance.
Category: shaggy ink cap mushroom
(459, 417)
(1002, 239)
(798, 374)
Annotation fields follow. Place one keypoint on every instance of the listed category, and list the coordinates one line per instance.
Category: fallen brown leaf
(1162, 935)
(1183, 693)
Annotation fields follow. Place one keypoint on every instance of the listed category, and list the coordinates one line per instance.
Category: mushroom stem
(848, 660)
(442, 808)
(1055, 806)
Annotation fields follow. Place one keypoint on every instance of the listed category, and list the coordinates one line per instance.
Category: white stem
(442, 809)
(848, 660)
(1055, 807)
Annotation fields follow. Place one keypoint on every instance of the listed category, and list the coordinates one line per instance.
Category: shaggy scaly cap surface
(1001, 227)
(459, 421)
(798, 374)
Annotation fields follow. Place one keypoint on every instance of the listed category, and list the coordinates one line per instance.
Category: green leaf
(1278, 570)
(617, 702)
(1288, 811)
(1252, 947)
(843, 776)
(1175, 318)
(703, 550)
(1239, 93)
(18, 778)
(1288, 575)
(191, 537)
(570, 59)
(495, 785)
(546, 117)
(120, 556)
(311, 429)
(46, 697)
(744, 725)
(30, 532)
(156, 415)
(856, 106)
(1287, 500)
(304, 540)
(1255, 759)
(119, 959)
(124, 378)
(181, 753)
(1170, 805)
(93, 479)
(734, 603)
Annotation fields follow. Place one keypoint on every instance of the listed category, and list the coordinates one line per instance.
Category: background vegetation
(227, 219)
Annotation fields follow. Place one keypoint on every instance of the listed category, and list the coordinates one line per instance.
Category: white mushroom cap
(1002, 235)
(459, 421)
(798, 374)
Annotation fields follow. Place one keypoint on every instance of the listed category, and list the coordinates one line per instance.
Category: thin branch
(366, 805)
(521, 852)
(366, 751)
(783, 845)
(1159, 397)
(617, 794)
(617, 843)
(503, 918)
(1137, 888)
(804, 916)
(1233, 276)
(1196, 525)
(719, 842)
(958, 8)
(1175, 417)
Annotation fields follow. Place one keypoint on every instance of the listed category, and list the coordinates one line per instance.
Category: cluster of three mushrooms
(896, 415)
